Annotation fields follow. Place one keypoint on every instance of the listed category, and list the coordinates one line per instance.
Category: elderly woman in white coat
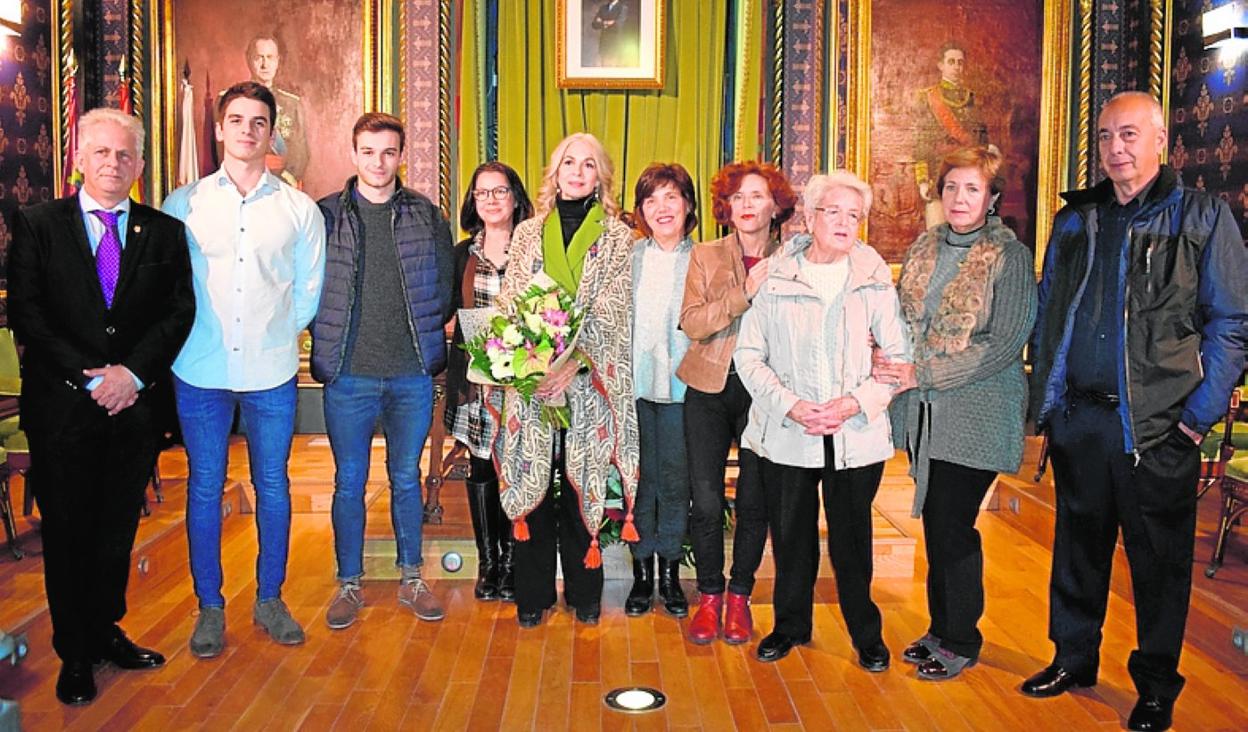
(804, 354)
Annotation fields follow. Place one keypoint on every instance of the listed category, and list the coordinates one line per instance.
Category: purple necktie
(108, 254)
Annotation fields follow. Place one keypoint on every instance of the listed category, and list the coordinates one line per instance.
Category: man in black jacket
(100, 296)
(1141, 335)
(377, 343)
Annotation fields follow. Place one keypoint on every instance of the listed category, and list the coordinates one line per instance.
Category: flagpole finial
(121, 68)
(186, 69)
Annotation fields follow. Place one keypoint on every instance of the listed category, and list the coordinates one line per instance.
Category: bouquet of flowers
(520, 350)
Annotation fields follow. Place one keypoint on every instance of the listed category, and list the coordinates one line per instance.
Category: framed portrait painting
(318, 57)
(610, 44)
(928, 78)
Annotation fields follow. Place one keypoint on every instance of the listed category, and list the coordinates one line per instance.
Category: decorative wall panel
(1208, 121)
(26, 123)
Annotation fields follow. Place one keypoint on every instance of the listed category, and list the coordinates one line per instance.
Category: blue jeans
(206, 416)
(352, 406)
(661, 509)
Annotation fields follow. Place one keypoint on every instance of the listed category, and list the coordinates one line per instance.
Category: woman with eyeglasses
(725, 275)
(555, 480)
(494, 204)
(968, 292)
(818, 416)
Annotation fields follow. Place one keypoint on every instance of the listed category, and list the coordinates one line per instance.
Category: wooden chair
(1230, 472)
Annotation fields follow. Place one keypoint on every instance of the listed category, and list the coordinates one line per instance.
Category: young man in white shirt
(258, 259)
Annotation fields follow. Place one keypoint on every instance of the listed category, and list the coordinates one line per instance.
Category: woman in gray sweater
(968, 292)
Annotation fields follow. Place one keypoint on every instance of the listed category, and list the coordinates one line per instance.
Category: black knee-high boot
(506, 543)
(484, 530)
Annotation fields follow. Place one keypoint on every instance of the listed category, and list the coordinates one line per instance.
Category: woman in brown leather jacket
(754, 199)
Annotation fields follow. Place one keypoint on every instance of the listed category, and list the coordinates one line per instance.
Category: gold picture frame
(611, 44)
(165, 64)
(1053, 133)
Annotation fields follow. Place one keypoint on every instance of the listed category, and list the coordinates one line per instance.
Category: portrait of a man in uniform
(309, 53)
(289, 155)
(946, 119)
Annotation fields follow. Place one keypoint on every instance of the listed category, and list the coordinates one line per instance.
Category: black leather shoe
(674, 600)
(530, 619)
(874, 657)
(589, 615)
(1056, 680)
(916, 653)
(1151, 714)
(776, 646)
(124, 654)
(641, 596)
(76, 684)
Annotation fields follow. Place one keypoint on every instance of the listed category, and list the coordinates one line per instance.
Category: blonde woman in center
(577, 239)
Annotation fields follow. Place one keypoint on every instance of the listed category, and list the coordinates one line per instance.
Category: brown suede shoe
(414, 593)
(345, 607)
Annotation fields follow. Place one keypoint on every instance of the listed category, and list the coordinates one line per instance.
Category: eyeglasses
(498, 194)
(830, 214)
(756, 199)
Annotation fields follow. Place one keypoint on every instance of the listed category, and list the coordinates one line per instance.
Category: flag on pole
(126, 104)
(188, 153)
(69, 185)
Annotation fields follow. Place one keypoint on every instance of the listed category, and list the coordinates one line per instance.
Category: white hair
(819, 185)
(1154, 106)
(101, 115)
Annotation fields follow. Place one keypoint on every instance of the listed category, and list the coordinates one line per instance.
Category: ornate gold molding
(1160, 48)
(857, 89)
(1083, 134)
(444, 107)
(62, 35)
(818, 79)
(777, 85)
(1054, 165)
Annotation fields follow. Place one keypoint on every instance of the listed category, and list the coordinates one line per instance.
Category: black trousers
(555, 525)
(1099, 489)
(92, 470)
(481, 470)
(955, 556)
(793, 515)
(712, 423)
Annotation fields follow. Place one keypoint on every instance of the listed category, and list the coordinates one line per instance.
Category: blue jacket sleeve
(1223, 301)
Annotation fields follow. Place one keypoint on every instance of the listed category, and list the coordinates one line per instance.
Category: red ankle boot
(738, 625)
(704, 627)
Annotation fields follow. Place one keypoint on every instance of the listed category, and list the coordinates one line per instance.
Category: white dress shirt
(258, 261)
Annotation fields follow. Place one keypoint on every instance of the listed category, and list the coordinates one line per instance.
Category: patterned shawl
(603, 413)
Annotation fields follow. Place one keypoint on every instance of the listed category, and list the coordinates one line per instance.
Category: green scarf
(565, 265)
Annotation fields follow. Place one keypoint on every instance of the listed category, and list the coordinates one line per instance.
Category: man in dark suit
(100, 296)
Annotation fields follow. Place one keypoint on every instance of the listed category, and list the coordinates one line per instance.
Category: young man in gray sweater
(377, 343)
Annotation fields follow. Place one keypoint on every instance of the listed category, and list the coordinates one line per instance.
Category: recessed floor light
(635, 699)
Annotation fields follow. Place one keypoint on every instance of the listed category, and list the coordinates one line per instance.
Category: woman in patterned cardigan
(968, 292)
(578, 240)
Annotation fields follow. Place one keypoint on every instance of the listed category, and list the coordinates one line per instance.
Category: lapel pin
(137, 228)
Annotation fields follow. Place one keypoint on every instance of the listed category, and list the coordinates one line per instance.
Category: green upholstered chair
(10, 367)
(6, 509)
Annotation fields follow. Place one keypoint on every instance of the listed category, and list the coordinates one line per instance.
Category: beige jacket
(711, 313)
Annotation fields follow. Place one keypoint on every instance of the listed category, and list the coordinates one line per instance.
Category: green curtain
(471, 92)
(748, 89)
(681, 123)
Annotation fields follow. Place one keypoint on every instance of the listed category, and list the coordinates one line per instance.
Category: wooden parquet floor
(477, 670)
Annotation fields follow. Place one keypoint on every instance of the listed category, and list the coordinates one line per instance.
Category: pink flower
(555, 317)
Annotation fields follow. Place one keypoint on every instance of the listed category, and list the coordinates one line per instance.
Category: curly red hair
(728, 181)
